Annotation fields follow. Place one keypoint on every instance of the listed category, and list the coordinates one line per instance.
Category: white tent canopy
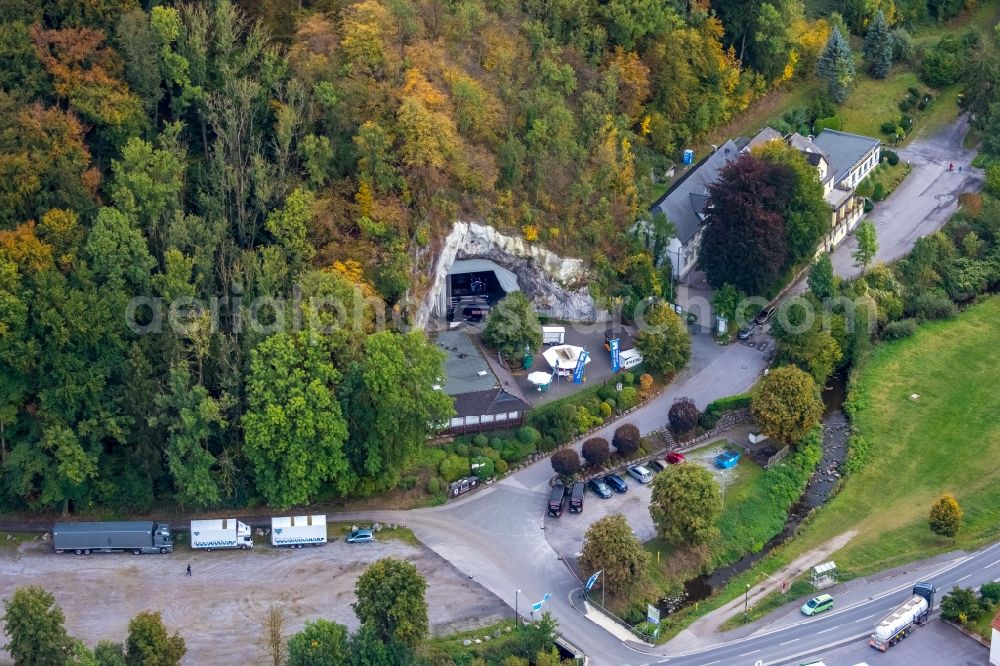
(564, 357)
(506, 278)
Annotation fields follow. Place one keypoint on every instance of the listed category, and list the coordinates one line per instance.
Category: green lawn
(947, 440)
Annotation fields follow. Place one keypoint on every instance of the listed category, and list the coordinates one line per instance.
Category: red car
(673, 457)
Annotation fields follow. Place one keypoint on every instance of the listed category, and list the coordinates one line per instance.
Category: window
(471, 420)
(487, 418)
(501, 417)
(513, 415)
(458, 422)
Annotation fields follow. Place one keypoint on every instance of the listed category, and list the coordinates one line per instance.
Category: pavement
(923, 202)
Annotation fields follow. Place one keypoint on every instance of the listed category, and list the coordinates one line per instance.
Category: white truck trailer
(298, 531)
(898, 624)
(553, 335)
(220, 533)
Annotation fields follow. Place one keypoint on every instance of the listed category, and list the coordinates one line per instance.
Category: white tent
(564, 357)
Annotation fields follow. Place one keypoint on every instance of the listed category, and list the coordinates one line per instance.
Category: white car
(640, 474)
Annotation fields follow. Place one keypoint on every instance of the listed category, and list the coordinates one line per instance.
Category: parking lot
(565, 534)
(218, 609)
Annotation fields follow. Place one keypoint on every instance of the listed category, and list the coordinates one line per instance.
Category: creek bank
(819, 489)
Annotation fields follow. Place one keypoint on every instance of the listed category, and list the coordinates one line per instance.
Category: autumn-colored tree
(945, 518)
(786, 404)
(611, 547)
(685, 503)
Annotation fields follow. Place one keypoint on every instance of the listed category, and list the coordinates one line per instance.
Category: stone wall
(557, 286)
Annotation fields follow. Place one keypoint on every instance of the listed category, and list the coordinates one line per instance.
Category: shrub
(626, 440)
(510, 453)
(606, 392)
(596, 451)
(889, 127)
(628, 398)
(453, 468)
(491, 452)
(612, 403)
(683, 415)
(475, 451)
(628, 379)
(896, 330)
(565, 462)
(528, 435)
(878, 194)
(433, 485)
(605, 410)
(408, 482)
(556, 424)
(500, 466)
(645, 383)
(932, 305)
(892, 157)
(485, 468)
(831, 122)
(460, 450)
(990, 593)
(729, 403)
(869, 206)
(906, 104)
(961, 605)
(480, 440)
(497, 442)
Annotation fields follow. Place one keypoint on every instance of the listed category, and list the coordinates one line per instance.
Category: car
(361, 536)
(747, 331)
(557, 499)
(616, 482)
(640, 474)
(823, 602)
(599, 488)
(675, 458)
(727, 459)
(765, 315)
(656, 466)
(576, 497)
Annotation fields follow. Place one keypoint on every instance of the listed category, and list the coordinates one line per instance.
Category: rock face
(555, 285)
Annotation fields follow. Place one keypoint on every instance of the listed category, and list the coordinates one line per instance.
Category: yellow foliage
(811, 38)
(530, 232)
(553, 232)
(364, 199)
(23, 247)
(417, 86)
(355, 274)
(644, 128)
(633, 81)
(61, 230)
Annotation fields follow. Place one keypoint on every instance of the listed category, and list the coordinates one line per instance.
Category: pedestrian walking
(188, 570)
(960, 168)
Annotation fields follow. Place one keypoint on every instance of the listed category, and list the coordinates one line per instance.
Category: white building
(995, 641)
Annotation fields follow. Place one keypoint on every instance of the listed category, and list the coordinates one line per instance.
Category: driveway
(922, 203)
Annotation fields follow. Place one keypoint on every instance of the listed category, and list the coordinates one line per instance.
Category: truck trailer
(298, 531)
(137, 537)
(220, 533)
(898, 624)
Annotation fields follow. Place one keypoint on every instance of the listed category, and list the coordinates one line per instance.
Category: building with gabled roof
(485, 393)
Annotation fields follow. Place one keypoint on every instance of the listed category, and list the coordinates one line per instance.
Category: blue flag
(578, 371)
(615, 345)
(593, 580)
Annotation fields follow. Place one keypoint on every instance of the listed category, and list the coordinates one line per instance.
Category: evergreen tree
(836, 66)
(821, 280)
(878, 47)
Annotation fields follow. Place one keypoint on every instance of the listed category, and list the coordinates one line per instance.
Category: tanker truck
(898, 624)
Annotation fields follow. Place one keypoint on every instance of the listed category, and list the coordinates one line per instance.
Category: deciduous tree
(685, 503)
(149, 644)
(945, 518)
(34, 625)
(610, 545)
(320, 643)
(596, 451)
(664, 340)
(683, 415)
(867, 244)
(391, 600)
(513, 327)
(626, 440)
(565, 462)
(821, 279)
(787, 404)
(745, 242)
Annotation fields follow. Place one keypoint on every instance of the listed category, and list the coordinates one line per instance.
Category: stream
(835, 433)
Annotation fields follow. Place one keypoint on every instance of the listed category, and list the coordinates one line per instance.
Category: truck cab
(162, 537)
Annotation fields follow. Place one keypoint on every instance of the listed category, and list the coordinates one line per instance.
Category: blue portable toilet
(688, 157)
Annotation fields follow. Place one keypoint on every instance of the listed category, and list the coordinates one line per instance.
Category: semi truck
(898, 624)
(298, 531)
(137, 537)
(220, 533)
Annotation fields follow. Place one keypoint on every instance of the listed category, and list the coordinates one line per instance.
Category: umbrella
(539, 378)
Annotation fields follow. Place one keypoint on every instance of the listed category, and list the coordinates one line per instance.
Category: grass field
(947, 440)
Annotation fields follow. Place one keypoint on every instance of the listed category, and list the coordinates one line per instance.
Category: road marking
(712, 662)
(750, 652)
(826, 630)
(867, 617)
(993, 564)
(787, 642)
(963, 578)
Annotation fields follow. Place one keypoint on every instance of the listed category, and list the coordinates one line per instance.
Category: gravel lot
(217, 609)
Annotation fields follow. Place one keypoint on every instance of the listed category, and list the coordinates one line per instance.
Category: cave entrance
(475, 286)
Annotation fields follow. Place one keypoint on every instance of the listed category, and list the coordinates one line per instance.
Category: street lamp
(516, 592)
(746, 598)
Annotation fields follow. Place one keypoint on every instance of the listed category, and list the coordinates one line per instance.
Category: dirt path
(705, 630)
(217, 610)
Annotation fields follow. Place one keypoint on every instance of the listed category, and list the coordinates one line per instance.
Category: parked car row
(147, 536)
(605, 486)
(762, 318)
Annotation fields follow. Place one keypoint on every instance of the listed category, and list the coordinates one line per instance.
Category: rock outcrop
(557, 286)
